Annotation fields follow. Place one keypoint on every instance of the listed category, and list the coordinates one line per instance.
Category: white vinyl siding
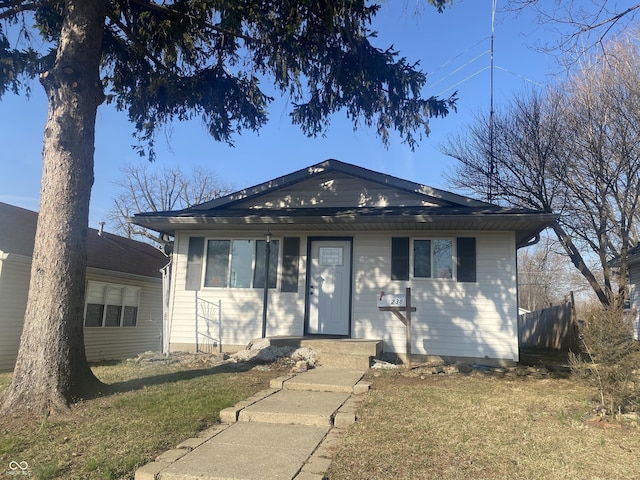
(241, 314)
(464, 319)
(452, 318)
(14, 288)
(100, 343)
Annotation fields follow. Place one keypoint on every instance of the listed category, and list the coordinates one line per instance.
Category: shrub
(610, 359)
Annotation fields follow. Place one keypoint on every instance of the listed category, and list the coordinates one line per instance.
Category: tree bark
(51, 369)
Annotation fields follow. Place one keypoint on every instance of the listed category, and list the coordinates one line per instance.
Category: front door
(329, 287)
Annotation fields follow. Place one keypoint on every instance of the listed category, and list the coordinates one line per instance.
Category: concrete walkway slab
(249, 451)
(325, 380)
(295, 407)
(274, 436)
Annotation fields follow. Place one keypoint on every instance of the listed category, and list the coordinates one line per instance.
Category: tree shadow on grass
(140, 383)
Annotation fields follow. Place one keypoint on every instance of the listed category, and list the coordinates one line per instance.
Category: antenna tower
(492, 158)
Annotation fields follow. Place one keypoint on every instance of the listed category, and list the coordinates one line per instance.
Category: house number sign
(392, 300)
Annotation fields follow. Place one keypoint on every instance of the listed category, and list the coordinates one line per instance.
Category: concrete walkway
(287, 432)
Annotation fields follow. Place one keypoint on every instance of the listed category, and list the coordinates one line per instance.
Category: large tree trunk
(52, 370)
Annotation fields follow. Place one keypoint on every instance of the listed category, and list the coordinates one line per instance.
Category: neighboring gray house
(123, 308)
(341, 235)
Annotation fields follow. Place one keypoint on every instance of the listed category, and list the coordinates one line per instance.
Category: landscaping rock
(464, 369)
(262, 352)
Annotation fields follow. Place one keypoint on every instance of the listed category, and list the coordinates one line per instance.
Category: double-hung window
(240, 263)
(111, 305)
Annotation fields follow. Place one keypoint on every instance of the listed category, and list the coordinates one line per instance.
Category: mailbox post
(400, 306)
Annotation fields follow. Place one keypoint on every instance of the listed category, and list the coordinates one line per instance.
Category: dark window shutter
(194, 263)
(290, 260)
(258, 274)
(466, 252)
(400, 258)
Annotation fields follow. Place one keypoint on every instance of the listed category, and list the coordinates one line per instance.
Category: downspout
(166, 317)
(3, 258)
(534, 241)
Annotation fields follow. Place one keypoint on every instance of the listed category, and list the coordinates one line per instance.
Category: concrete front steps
(350, 353)
(288, 432)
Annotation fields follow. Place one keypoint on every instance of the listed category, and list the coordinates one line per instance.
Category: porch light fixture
(265, 300)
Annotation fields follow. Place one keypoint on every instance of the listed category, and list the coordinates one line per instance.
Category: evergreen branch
(170, 12)
(129, 34)
(15, 7)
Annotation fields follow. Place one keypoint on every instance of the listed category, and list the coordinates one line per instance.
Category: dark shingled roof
(429, 210)
(105, 251)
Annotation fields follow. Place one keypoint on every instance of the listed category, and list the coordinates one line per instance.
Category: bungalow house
(123, 308)
(329, 240)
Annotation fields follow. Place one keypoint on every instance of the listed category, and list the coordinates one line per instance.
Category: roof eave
(527, 225)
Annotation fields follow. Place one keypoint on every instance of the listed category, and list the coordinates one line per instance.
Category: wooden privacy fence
(550, 328)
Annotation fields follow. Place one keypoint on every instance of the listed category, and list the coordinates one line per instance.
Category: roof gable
(105, 251)
(333, 183)
(336, 196)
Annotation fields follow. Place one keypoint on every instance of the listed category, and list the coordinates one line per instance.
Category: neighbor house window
(111, 305)
(240, 264)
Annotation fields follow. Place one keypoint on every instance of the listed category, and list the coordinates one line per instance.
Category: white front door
(329, 288)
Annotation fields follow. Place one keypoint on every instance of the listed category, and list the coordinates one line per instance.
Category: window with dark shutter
(290, 260)
(466, 253)
(194, 263)
(400, 258)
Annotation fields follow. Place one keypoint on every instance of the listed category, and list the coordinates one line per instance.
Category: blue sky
(453, 48)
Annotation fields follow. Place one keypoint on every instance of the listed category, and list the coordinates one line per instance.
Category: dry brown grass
(483, 427)
(157, 407)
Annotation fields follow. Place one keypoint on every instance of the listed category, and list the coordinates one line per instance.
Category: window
(111, 305)
(240, 264)
(217, 263)
(434, 258)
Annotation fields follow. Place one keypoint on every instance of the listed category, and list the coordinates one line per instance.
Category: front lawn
(453, 427)
(160, 405)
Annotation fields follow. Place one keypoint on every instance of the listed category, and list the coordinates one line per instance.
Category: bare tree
(527, 138)
(541, 276)
(580, 26)
(571, 150)
(601, 160)
(148, 188)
